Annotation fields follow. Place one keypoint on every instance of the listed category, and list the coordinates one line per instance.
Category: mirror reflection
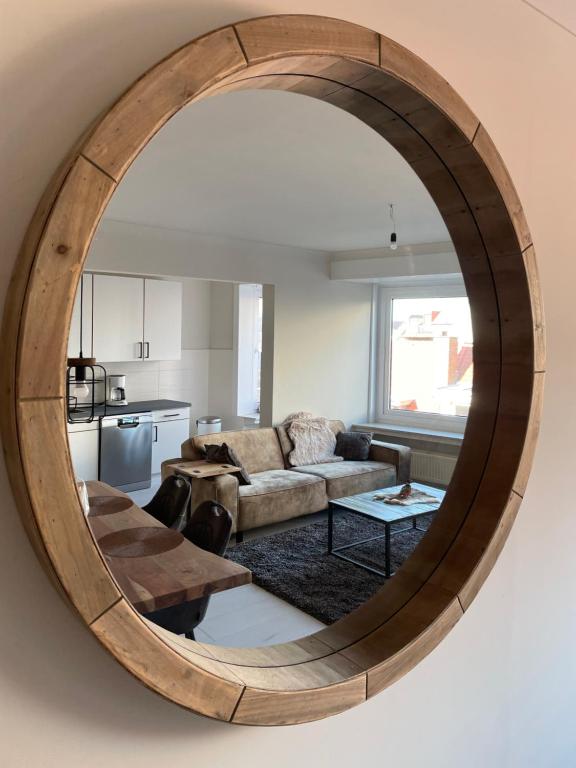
(269, 369)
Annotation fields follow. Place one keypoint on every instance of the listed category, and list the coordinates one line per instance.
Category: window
(425, 355)
(249, 349)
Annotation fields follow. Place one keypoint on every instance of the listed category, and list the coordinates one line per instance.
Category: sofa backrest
(286, 443)
(257, 449)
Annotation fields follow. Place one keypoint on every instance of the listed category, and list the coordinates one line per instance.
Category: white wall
(322, 327)
(500, 689)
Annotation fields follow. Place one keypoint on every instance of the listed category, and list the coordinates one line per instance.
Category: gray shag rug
(295, 566)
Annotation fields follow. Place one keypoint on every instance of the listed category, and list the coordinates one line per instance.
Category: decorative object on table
(313, 440)
(409, 510)
(171, 502)
(353, 446)
(406, 497)
(225, 454)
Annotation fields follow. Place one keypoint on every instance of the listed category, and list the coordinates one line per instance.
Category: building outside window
(425, 357)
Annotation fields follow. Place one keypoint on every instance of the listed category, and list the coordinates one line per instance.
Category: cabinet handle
(140, 350)
(169, 415)
(147, 344)
(155, 435)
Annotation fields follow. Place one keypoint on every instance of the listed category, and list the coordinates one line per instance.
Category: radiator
(432, 467)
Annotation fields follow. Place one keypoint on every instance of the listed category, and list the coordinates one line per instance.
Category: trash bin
(206, 425)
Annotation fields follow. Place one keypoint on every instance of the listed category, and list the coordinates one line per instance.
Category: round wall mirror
(276, 365)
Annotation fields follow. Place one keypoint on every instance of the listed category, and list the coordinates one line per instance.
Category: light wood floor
(249, 615)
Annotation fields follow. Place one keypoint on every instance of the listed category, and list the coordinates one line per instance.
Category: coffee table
(365, 505)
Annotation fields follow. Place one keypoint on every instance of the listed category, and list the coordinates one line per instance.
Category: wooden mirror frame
(410, 105)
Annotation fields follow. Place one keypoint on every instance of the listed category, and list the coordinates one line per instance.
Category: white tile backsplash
(187, 379)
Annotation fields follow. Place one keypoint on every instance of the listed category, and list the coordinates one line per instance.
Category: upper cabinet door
(162, 320)
(74, 335)
(118, 313)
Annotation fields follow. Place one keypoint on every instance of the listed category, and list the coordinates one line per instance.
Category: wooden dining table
(155, 567)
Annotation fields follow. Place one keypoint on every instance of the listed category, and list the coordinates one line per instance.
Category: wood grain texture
(385, 673)
(296, 652)
(10, 348)
(405, 67)
(57, 268)
(490, 552)
(333, 669)
(494, 163)
(187, 649)
(538, 320)
(265, 37)
(531, 437)
(57, 511)
(162, 570)
(258, 707)
(143, 653)
(199, 469)
(419, 113)
(155, 97)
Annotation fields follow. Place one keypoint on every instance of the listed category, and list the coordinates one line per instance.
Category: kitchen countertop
(139, 406)
(143, 405)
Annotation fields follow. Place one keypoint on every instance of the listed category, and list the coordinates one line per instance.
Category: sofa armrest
(390, 453)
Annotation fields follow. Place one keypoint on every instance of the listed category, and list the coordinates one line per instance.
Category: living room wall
(321, 326)
(500, 689)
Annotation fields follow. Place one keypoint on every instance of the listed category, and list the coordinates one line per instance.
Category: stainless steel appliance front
(126, 451)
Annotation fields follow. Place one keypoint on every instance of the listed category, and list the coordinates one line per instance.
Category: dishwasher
(126, 451)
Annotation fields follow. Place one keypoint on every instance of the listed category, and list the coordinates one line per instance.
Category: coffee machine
(116, 394)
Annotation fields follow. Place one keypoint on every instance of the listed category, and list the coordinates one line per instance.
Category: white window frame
(247, 330)
(382, 380)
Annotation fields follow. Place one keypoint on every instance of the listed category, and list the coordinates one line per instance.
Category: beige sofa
(281, 492)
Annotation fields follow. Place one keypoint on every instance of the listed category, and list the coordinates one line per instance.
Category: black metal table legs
(337, 551)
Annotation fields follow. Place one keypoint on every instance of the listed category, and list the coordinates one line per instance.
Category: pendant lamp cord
(81, 312)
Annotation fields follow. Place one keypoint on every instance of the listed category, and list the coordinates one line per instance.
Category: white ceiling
(276, 167)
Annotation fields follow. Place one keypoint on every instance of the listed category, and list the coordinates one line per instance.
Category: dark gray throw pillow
(353, 446)
(224, 454)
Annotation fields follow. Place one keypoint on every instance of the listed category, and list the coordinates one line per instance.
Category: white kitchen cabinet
(169, 430)
(118, 318)
(136, 318)
(84, 450)
(74, 335)
(162, 320)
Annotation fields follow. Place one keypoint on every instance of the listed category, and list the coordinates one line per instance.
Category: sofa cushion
(348, 478)
(277, 495)
(257, 449)
(314, 442)
(286, 444)
(353, 446)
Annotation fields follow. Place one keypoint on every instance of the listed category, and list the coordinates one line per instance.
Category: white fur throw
(313, 440)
